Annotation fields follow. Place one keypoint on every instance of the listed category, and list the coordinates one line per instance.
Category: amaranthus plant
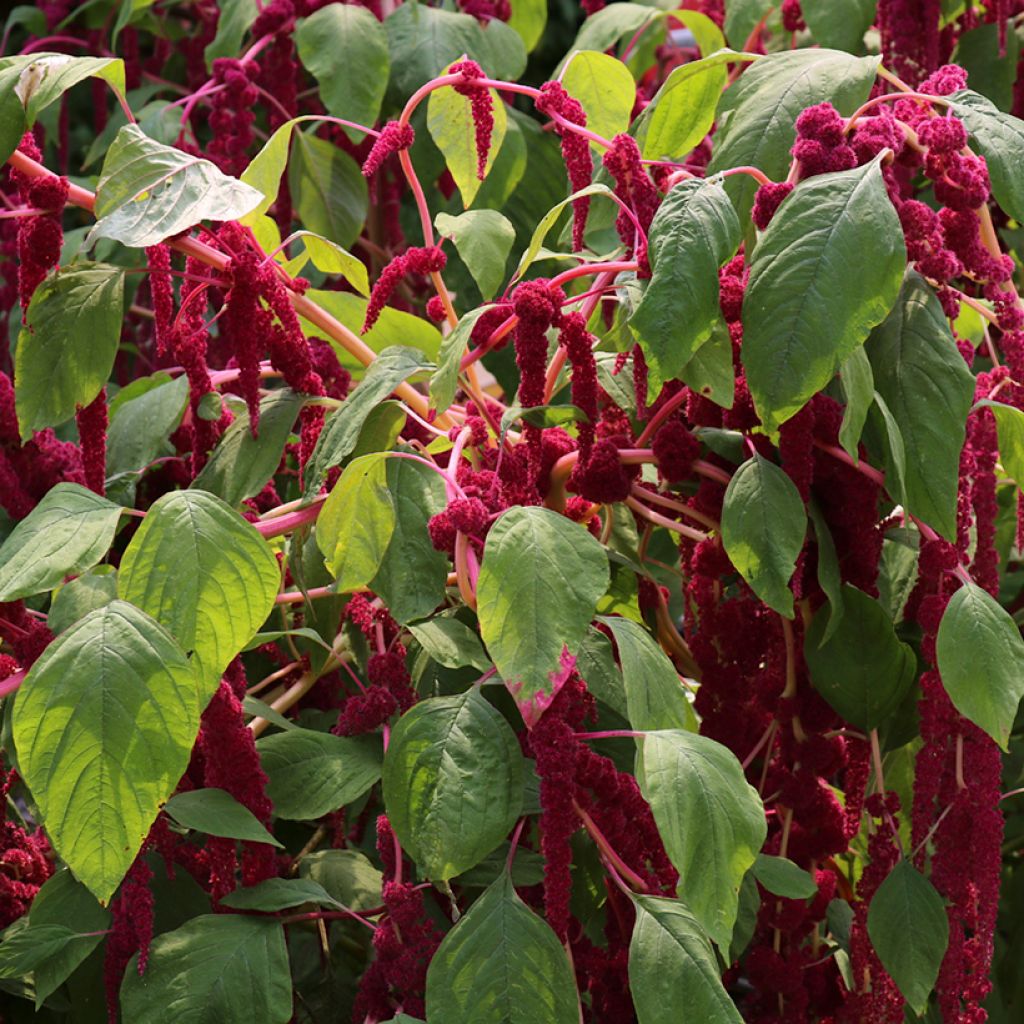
(493, 541)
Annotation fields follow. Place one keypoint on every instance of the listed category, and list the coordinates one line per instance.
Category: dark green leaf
(595, 662)
(829, 577)
(104, 725)
(763, 528)
(863, 670)
(710, 819)
(840, 24)
(217, 813)
(30, 948)
(812, 298)
(925, 383)
(483, 238)
(228, 968)
(783, 878)
(314, 773)
(981, 658)
(501, 964)
(742, 17)
(69, 531)
(672, 964)
(141, 424)
(540, 581)
(346, 875)
(710, 371)
(989, 55)
(82, 595)
(858, 384)
(680, 306)
(279, 894)
(908, 927)
(328, 189)
(54, 372)
(452, 782)
(450, 643)
(236, 16)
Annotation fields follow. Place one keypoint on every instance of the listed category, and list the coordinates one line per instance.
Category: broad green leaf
(897, 573)
(595, 663)
(445, 380)
(264, 173)
(346, 875)
(54, 372)
(540, 581)
(141, 424)
(241, 464)
(356, 522)
(604, 88)
(257, 708)
(908, 927)
(998, 137)
(62, 900)
(655, 697)
(279, 894)
(858, 384)
(217, 813)
(989, 56)
(328, 189)
(603, 29)
(202, 572)
(452, 782)
(332, 258)
(812, 298)
(884, 427)
(314, 773)
(784, 878)
(710, 371)
(69, 531)
(1010, 426)
(345, 48)
(12, 114)
(763, 528)
(501, 964)
(683, 109)
(981, 659)
(829, 577)
(235, 19)
(148, 192)
(757, 115)
(104, 725)
(228, 968)
(672, 964)
(483, 238)
(746, 918)
(710, 819)
(32, 948)
(412, 575)
(450, 643)
(863, 670)
(741, 19)
(451, 126)
(693, 233)
(928, 389)
(49, 75)
(82, 595)
(840, 24)
(341, 430)
(529, 18)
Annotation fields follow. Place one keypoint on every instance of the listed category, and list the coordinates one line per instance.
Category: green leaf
(49, 75)
(450, 643)
(445, 380)
(886, 431)
(742, 17)
(279, 894)
(31, 948)
(356, 522)
(314, 773)
(683, 109)
(529, 18)
(266, 168)
(757, 115)
(595, 662)
(604, 88)
(655, 697)
(332, 258)
(672, 964)
(710, 371)
(908, 927)
(69, 531)
(1010, 425)
(763, 528)
(202, 572)
(680, 306)
(812, 298)
(54, 372)
(783, 878)
(346, 875)
(829, 577)
(602, 30)
(341, 430)
(228, 968)
(148, 192)
(483, 238)
(981, 659)
(840, 24)
(82, 595)
(413, 574)
(452, 127)
(927, 387)
(452, 782)
(540, 581)
(328, 189)
(858, 384)
(104, 725)
(12, 114)
(140, 425)
(501, 964)
(62, 900)
(217, 813)
(998, 137)
(241, 464)
(345, 48)
(710, 819)
(989, 56)
(236, 17)
(863, 670)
